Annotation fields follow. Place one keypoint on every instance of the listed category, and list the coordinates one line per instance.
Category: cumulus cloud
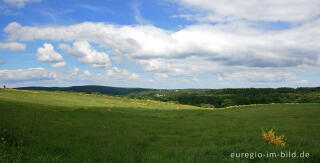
(22, 75)
(87, 75)
(14, 46)
(39, 77)
(293, 11)
(114, 76)
(121, 74)
(48, 54)
(20, 3)
(161, 76)
(163, 68)
(42, 76)
(201, 48)
(86, 54)
(59, 64)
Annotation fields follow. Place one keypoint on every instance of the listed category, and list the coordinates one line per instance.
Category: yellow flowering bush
(270, 138)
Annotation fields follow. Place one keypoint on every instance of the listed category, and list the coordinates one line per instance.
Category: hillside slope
(41, 126)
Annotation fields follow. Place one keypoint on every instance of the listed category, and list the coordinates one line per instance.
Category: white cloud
(48, 54)
(258, 77)
(87, 73)
(22, 75)
(121, 74)
(59, 64)
(293, 11)
(114, 76)
(14, 46)
(161, 76)
(55, 77)
(20, 3)
(39, 77)
(86, 54)
(166, 67)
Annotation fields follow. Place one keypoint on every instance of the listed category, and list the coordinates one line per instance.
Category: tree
(227, 102)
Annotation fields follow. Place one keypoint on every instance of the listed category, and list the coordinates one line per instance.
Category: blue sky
(160, 43)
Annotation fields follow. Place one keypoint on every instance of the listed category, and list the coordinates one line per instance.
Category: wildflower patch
(270, 138)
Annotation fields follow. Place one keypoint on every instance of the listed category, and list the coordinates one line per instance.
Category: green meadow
(41, 126)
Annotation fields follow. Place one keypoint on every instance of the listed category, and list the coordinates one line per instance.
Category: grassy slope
(73, 127)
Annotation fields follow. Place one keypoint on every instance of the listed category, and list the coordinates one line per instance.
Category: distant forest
(205, 97)
(233, 96)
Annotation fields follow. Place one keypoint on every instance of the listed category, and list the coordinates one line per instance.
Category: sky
(168, 44)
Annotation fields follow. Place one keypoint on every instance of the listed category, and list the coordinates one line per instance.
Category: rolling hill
(43, 126)
(91, 89)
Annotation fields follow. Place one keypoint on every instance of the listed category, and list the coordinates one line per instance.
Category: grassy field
(40, 126)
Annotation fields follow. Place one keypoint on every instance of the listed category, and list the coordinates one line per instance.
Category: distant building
(159, 95)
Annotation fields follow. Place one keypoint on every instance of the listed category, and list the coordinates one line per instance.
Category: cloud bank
(14, 46)
(215, 48)
(292, 11)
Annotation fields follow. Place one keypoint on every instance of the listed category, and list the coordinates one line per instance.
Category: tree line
(233, 96)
